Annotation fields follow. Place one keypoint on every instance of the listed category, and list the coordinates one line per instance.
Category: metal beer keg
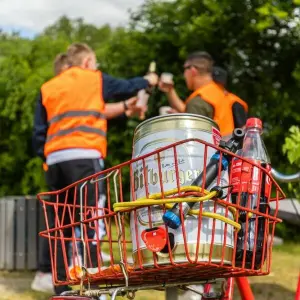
(158, 132)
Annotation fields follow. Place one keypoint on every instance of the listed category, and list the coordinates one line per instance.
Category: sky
(30, 17)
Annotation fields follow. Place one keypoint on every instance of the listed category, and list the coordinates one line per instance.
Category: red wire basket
(127, 242)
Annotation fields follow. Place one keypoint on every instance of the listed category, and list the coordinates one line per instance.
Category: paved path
(289, 210)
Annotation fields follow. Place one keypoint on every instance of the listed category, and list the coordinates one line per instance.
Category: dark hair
(202, 61)
(219, 75)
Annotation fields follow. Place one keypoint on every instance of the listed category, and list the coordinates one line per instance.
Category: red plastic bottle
(254, 190)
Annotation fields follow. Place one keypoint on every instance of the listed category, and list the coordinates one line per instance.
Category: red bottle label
(216, 136)
(248, 178)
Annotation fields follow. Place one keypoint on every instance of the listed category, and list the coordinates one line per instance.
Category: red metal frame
(66, 206)
(297, 297)
(244, 288)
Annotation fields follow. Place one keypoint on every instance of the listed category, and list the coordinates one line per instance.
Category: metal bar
(2, 233)
(285, 178)
(244, 288)
(20, 234)
(10, 234)
(125, 289)
(32, 234)
(115, 293)
(41, 227)
(229, 289)
(297, 297)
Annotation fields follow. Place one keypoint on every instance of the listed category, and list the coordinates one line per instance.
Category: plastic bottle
(143, 95)
(251, 189)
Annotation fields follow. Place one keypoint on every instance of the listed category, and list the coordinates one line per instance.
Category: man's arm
(200, 107)
(113, 110)
(173, 98)
(40, 128)
(121, 89)
(128, 107)
(239, 115)
(175, 102)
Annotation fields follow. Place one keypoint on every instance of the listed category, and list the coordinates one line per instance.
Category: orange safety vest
(222, 101)
(74, 104)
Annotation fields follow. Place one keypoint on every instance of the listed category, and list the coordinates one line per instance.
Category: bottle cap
(254, 122)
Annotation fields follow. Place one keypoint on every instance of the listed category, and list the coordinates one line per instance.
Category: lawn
(280, 284)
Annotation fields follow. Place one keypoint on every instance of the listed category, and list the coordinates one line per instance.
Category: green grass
(16, 285)
(289, 248)
(280, 284)
(283, 279)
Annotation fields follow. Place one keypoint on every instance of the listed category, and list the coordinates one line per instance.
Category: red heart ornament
(155, 238)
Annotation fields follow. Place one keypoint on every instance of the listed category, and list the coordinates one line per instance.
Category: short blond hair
(60, 62)
(77, 52)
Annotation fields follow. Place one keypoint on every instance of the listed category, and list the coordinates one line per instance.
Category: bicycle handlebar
(285, 178)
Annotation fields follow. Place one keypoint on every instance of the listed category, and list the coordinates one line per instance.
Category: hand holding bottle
(143, 95)
(151, 76)
(152, 79)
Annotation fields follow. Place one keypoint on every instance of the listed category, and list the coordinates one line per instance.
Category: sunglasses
(188, 67)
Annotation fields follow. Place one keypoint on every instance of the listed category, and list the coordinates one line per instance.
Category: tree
(292, 148)
(24, 66)
(257, 41)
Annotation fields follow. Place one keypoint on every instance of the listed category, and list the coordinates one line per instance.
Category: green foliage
(292, 145)
(24, 66)
(252, 39)
(270, 13)
(262, 62)
(292, 148)
(288, 232)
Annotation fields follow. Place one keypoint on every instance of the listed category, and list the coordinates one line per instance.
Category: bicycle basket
(140, 247)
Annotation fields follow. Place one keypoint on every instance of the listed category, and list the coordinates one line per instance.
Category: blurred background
(257, 42)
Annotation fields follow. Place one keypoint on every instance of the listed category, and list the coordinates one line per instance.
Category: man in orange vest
(42, 281)
(240, 113)
(208, 98)
(70, 127)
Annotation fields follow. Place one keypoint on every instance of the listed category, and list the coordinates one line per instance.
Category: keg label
(167, 177)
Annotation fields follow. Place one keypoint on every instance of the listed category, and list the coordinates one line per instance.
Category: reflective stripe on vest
(76, 129)
(222, 102)
(75, 111)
